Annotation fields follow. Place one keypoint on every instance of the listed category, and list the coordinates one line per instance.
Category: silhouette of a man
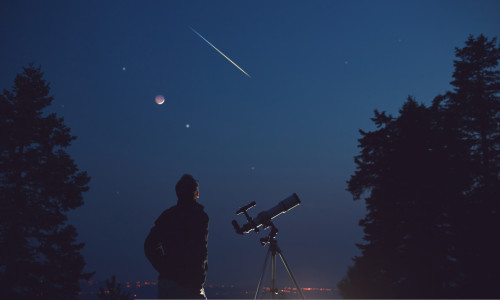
(177, 245)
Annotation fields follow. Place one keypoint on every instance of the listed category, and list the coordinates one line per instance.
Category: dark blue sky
(319, 69)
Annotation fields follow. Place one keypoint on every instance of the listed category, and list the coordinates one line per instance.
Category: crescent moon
(159, 99)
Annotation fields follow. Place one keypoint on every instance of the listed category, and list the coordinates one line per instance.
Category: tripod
(273, 249)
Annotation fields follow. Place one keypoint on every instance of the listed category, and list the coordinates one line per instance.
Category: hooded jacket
(177, 245)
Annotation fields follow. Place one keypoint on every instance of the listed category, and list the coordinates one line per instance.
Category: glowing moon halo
(159, 99)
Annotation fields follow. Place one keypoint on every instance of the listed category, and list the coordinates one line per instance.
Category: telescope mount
(273, 250)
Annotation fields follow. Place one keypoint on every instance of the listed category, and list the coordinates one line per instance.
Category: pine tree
(39, 183)
(476, 102)
(113, 291)
(409, 177)
(475, 106)
(432, 180)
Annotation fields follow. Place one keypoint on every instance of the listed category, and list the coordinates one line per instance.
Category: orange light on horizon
(288, 289)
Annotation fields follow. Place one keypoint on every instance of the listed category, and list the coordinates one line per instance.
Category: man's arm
(154, 249)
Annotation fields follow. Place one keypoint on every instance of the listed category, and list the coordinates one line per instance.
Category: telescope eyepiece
(237, 227)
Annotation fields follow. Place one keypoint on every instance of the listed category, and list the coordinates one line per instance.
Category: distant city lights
(223, 290)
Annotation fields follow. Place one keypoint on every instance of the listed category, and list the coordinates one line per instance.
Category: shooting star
(220, 52)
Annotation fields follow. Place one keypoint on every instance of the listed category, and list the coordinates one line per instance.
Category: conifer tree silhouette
(474, 106)
(431, 178)
(39, 183)
(113, 291)
(404, 169)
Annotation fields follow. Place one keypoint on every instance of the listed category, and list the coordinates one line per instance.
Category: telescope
(264, 218)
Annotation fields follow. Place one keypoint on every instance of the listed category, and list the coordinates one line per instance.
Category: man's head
(187, 189)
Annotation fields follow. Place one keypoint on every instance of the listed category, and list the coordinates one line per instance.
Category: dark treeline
(431, 177)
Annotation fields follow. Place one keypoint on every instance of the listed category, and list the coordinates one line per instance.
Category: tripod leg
(273, 274)
(261, 275)
(291, 275)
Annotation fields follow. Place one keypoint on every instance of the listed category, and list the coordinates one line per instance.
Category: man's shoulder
(167, 214)
(204, 217)
(192, 213)
(201, 208)
(197, 211)
(195, 208)
(169, 211)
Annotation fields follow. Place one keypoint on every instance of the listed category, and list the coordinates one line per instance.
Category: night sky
(318, 70)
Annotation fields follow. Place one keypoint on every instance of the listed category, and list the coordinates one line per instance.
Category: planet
(159, 99)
